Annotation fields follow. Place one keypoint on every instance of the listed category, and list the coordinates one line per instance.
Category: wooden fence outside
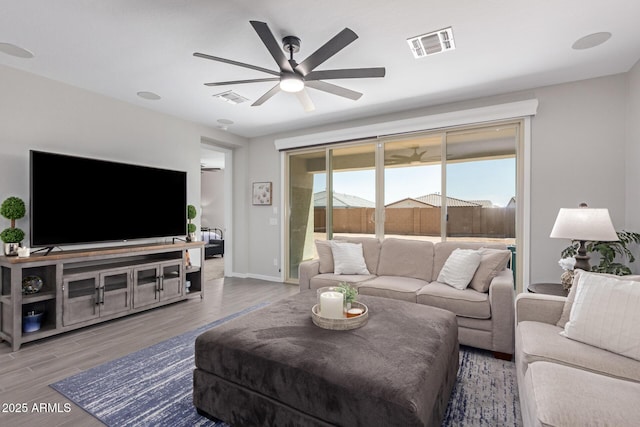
(462, 222)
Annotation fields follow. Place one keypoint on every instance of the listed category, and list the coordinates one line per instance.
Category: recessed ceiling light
(592, 40)
(224, 123)
(13, 50)
(149, 95)
(432, 43)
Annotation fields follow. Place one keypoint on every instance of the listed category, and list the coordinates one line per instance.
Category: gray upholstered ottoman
(274, 367)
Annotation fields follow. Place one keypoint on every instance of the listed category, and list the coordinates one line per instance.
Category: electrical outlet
(275, 262)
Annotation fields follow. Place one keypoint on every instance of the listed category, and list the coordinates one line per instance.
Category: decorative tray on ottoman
(341, 324)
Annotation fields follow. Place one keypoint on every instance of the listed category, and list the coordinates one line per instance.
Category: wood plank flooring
(25, 375)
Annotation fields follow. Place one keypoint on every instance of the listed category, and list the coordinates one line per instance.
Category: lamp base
(582, 259)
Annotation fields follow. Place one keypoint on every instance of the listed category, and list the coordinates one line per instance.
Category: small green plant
(12, 208)
(350, 293)
(191, 214)
(608, 252)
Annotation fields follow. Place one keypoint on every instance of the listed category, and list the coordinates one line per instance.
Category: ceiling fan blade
(232, 62)
(326, 51)
(272, 45)
(267, 95)
(355, 73)
(305, 100)
(333, 89)
(233, 82)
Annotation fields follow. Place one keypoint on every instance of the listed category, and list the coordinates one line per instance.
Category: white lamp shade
(584, 224)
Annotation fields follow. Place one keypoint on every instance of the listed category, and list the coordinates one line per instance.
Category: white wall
(578, 143)
(38, 113)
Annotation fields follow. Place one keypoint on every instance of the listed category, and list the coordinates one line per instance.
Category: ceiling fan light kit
(295, 78)
(290, 82)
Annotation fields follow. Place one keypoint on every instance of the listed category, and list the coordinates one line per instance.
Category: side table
(547, 288)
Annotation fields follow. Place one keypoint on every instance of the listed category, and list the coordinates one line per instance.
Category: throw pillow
(348, 258)
(459, 268)
(568, 303)
(492, 262)
(606, 314)
(325, 256)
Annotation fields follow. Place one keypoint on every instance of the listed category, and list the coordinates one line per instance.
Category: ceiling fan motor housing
(291, 44)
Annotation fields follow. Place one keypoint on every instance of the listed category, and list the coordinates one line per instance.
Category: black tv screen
(76, 200)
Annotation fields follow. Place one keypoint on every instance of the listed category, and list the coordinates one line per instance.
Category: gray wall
(577, 150)
(581, 134)
(632, 157)
(39, 113)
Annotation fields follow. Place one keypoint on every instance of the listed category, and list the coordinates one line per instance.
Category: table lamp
(584, 224)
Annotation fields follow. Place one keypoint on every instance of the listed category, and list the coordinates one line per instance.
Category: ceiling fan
(295, 78)
(395, 159)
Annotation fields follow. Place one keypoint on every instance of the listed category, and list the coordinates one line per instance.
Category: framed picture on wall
(261, 193)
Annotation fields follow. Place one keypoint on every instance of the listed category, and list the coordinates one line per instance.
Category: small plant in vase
(350, 293)
(12, 208)
(191, 228)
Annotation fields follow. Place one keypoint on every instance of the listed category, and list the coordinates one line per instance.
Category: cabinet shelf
(40, 296)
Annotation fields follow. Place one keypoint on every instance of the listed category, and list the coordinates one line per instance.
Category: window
(458, 183)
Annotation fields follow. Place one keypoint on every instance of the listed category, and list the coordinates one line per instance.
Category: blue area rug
(153, 387)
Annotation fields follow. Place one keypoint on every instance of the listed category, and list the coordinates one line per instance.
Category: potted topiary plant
(12, 208)
(191, 228)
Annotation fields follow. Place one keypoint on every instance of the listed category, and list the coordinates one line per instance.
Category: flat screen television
(78, 200)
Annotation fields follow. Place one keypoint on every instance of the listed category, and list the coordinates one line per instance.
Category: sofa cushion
(325, 256)
(556, 395)
(370, 250)
(408, 258)
(330, 279)
(465, 303)
(568, 304)
(492, 262)
(606, 314)
(395, 287)
(459, 268)
(348, 258)
(442, 250)
(537, 341)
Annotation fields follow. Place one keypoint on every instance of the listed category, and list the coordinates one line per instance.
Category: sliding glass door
(412, 187)
(453, 184)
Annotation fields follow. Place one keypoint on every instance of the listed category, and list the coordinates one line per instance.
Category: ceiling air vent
(231, 97)
(432, 43)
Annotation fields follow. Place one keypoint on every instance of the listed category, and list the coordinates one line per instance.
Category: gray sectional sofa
(408, 270)
(565, 382)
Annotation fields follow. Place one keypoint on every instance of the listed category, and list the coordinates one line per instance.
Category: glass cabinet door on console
(81, 301)
(115, 291)
(157, 282)
(145, 285)
(90, 295)
(171, 281)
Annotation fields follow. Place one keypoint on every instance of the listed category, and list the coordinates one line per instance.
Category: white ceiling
(121, 47)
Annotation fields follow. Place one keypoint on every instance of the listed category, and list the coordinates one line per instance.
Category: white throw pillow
(348, 258)
(606, 314)
(459, 268)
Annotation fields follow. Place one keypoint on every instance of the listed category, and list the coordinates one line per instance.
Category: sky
(493, 180)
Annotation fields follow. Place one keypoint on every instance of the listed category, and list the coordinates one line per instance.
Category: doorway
(213, 212)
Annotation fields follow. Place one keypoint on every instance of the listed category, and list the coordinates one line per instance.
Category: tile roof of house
(435, 199)
(341, 200)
